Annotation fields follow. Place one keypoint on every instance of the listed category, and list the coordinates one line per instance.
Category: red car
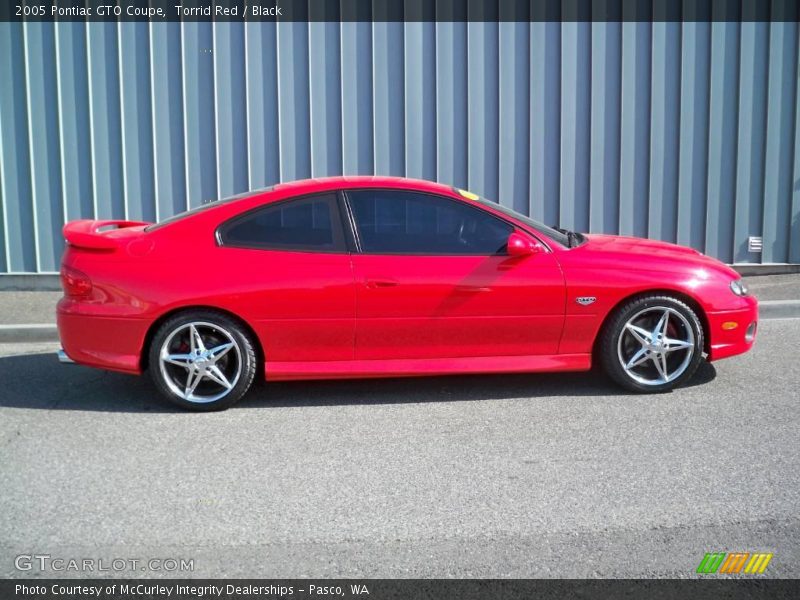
(385, 277)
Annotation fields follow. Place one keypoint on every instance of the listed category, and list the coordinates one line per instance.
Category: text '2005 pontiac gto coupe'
(385, 277)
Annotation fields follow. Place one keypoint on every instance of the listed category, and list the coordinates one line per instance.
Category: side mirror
(521, 245)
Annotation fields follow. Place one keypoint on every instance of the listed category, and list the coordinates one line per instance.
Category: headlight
(739, 287)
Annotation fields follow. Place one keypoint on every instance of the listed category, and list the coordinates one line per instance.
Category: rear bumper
(113, 343)
(727, 340)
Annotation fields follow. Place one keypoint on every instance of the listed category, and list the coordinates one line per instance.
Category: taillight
(75, 283)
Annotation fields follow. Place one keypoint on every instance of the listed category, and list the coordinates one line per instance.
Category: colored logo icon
(734, 562)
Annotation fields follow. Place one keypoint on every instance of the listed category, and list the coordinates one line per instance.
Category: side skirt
(413, 367)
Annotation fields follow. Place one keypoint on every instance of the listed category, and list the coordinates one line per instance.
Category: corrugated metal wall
(679, 131)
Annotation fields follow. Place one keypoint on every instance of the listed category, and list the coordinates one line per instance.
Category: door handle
(380, 283)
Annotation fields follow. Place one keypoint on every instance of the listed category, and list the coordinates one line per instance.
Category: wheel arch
(687, 299)
(154, 326)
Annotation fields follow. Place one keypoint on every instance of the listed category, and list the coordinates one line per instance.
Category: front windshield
(561, 237)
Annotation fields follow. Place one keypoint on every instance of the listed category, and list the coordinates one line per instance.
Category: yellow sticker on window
(467, 195)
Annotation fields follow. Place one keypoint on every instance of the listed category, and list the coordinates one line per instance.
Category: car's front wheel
(202, 360)
(652, 344)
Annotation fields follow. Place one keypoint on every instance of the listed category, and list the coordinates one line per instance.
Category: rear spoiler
(88, 233)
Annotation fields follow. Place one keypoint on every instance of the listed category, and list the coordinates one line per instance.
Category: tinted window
(392, 222)
(553, 234)
(304, 224)
(206, 206)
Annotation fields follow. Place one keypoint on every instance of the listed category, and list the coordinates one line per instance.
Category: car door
(298, 290)
(433, 280)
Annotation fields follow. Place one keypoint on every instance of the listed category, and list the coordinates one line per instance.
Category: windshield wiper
(573, 238)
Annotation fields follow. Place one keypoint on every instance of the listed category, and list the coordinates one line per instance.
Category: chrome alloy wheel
(656, 345)
(200, 362)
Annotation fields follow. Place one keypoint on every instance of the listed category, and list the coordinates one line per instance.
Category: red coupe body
(345, 311)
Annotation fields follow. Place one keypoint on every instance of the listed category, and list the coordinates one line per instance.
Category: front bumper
(725, 339)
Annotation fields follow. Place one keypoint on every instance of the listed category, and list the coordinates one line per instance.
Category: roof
(363, 181)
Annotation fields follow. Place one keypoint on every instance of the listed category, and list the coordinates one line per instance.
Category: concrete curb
(779, 309)
(43, 332)
(30, 282)
(28, 332)
(756, 270)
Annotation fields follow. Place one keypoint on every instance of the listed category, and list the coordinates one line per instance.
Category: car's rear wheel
(652, 344)
(202, 360)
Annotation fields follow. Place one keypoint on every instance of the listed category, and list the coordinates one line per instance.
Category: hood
(643, 254)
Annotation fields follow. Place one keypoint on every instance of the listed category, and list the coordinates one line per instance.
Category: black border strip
(432, 589)
(596, 11)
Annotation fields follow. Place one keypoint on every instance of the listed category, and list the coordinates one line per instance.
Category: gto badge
(585, 300)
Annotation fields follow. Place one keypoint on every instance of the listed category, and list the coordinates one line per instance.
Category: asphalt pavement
(556, 475)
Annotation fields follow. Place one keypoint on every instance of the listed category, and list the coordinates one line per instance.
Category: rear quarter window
(308, 224)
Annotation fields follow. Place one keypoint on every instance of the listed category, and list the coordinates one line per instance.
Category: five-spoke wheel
(652, 343)
(202, 360)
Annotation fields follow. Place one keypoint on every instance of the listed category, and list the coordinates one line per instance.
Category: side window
(310, 224)
(392, 222)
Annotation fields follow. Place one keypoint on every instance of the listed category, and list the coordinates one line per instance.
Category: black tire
(237, 365)
(612, 350)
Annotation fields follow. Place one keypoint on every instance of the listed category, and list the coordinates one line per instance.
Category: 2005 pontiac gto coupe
(378, 276)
